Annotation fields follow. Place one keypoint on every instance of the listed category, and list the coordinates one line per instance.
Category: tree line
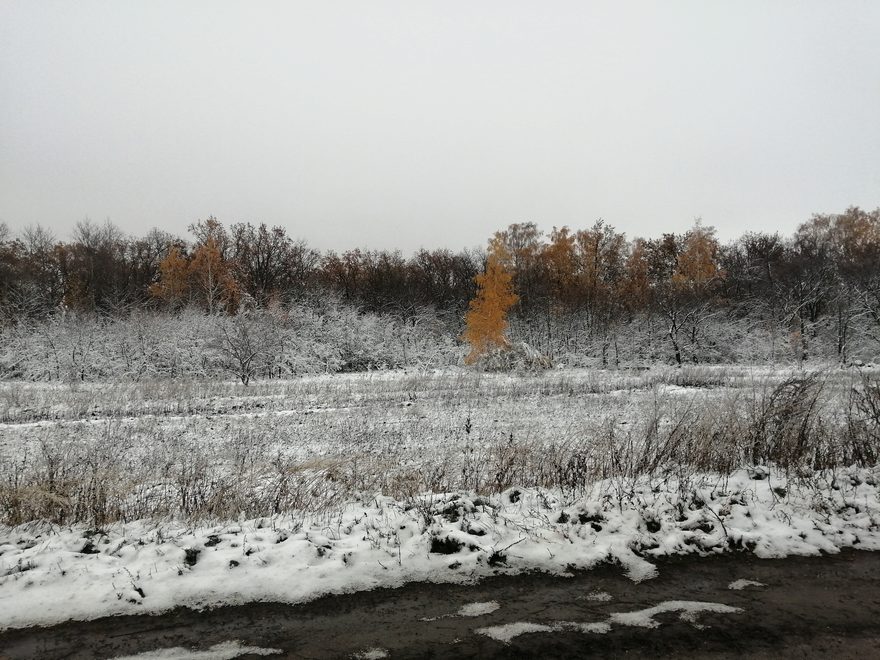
(590, 292)
(103, 271)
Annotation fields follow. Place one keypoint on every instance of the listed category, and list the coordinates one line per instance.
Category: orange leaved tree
(173, 285)
(213, 279)
(486, 320)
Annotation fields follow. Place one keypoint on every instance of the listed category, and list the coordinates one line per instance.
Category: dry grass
(319, 443)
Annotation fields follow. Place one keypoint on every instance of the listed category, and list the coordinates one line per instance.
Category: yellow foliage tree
(636, 286)
(173, 285)
(698, 262)
(213, 279)
(206, 277)
(486, 320)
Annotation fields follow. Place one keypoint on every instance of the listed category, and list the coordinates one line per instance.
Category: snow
(151, 566)
(640, 618)
(469, 610)
(738, 585)
(596, 628)
(689, 610)
(222, 651)
(478, 609)
(505, 633)
(362, 435)
(371, 654)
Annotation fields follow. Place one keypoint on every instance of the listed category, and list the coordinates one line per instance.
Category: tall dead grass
(112, 471)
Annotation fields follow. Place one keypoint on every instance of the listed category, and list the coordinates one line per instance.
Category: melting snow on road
(689, 610)
(469, 610)
(738, 585)
(222, 651)
(478, 609)
(371, 654)
(506, 632)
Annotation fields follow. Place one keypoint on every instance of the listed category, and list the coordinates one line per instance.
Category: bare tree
(240, 346)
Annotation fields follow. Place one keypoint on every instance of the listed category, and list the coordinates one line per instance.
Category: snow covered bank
(49, 574)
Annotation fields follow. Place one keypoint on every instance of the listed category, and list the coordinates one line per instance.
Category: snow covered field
(139, 498)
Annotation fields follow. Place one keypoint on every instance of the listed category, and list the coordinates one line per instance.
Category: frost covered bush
(519, 356)
(324, 337)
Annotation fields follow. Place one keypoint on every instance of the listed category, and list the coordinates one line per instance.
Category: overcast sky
(406, 124)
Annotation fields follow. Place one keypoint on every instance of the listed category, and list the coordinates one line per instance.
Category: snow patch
(738, 585)
(371, 654)
(597, 628)
(505, 633)
(478, 609)
(469, 610)
(689, 610)
(222, 651)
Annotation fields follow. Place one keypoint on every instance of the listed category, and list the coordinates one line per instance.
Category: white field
(142, 497)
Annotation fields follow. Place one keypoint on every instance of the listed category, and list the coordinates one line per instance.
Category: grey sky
(402, 124)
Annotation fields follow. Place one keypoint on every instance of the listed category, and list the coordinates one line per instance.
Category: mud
(816, 607)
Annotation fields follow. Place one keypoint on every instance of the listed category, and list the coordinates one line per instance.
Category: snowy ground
(51, 574)
(445, 477)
